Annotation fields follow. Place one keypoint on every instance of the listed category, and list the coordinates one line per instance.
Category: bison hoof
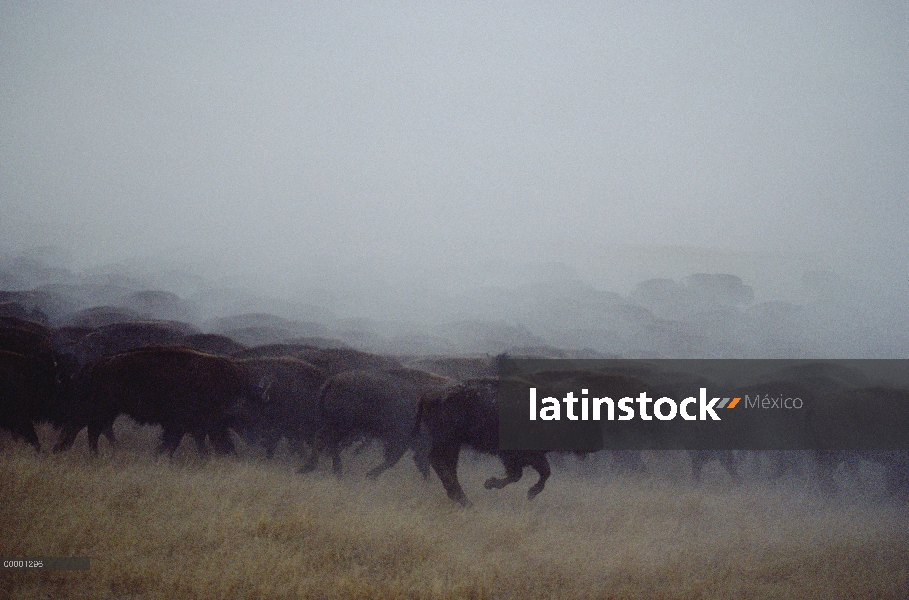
(532, 493)
(494, 483)
(306, 469)
(464, 502)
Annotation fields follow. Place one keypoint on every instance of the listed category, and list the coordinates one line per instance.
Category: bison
(182, 390)
(331, 360)
(458, 368)
(157, 304)
(23, 339)
(288, 401)
(339, 360)
(467, 414)
(29, 392)
(16, 310)
(37, 377)
(99, 316)
(66, 339)
(7, 321)
(892, 456)
(212, 343)
(625, 439)
(730, 459)
(121, 337)
(373, 404)
(275, 350)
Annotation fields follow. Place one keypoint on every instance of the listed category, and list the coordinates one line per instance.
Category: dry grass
(244, 528)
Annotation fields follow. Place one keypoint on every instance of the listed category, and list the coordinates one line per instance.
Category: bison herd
(322, 400)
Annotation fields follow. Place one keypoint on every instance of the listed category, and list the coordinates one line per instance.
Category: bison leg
(297, 446)
(335, 453)
(541, 465)
(199, 439)
(514, 469)
(628, 461)
(827, 462)
(896, 466)
(270, 442)
(26, 432)
(170, 439)
(95, 429)
(109, 434)
(421, 446)
(312, 462)
(512, 473)
(393, 453)
(67, 437)
(421, 459)
(221, 442)
(362, 446)
(698, 460)
(730, 459)
(320, 444)
(781, 462)
(444, 459)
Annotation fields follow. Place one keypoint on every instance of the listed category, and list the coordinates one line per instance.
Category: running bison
(212, 343)
(34, 378)
(892, 454)
(459, 368)
(25, 337)
(330, 360)
(373, 405)
(287, 403)
(467, 414)
(29, 392)
(180, 389)
(122, 337)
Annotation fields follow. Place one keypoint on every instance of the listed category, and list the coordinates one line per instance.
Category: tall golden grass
(246, 528)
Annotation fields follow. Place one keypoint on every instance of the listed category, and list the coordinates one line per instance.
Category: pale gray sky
(299, 141)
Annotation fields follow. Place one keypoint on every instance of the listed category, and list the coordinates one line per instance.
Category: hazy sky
(306, 139)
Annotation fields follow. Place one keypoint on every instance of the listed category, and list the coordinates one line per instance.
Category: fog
(399, 176)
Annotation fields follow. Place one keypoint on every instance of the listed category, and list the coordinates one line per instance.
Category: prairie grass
(248, 528)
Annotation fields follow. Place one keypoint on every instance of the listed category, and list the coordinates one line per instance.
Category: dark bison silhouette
(182, 390)
(331, 360)
(7, 321)
(25, 337)
(459, 368)
(100, 316)
(212, 343)
(120, 337)
(18, 311)
(373, 405)
(29, 392)
(467, 414)
(287, 403)
(888, 401)
(35, 377)
(67, 338)
(275, 350)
